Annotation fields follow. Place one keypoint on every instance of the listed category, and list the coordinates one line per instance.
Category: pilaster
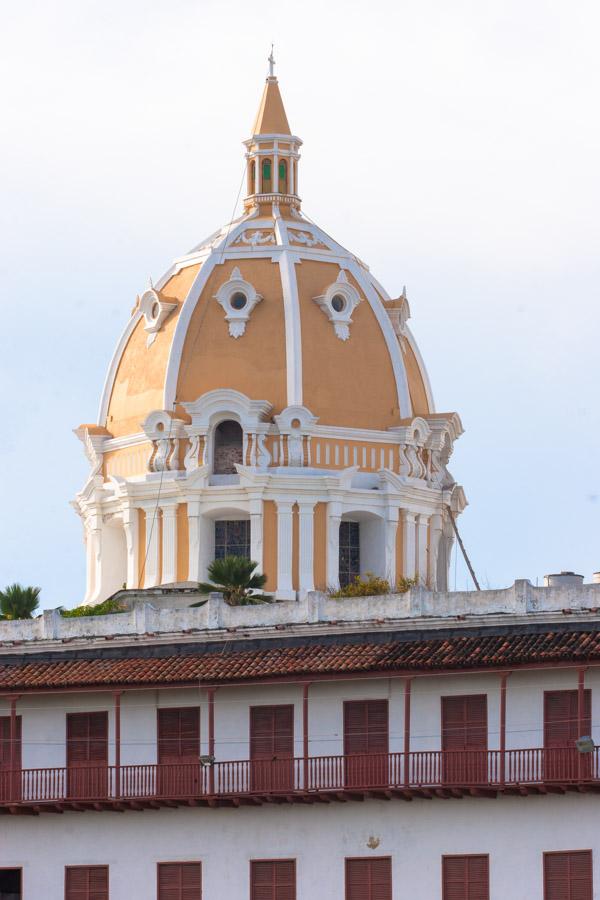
(131, 529)
(409, 538)
(334, 518)
(306, 529)
(421, 548)
(169, 543)
(284, 550)
(391, 529)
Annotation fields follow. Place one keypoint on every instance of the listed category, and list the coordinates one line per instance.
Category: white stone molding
(409, 543)
(295, 425)
(338, 303)
(93, 445)
(435, 533)
(256, 238)
(334, 518)
(391, 531)
(169, 543)
(231, 291)
(306, 510)
(165, 432)
(285, 588)
(399, 315)
(155, 311)
(131, 529)
(422, 533)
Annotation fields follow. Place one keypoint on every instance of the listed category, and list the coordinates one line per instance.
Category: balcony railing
(426, 773)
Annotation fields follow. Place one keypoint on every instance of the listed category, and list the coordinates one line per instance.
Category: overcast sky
(452, 146)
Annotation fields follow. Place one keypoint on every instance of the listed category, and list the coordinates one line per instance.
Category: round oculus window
(338, 303)
(154, 312)
(239, 300)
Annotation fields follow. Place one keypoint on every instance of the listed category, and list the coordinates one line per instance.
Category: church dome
(272, 306)
(267, 400)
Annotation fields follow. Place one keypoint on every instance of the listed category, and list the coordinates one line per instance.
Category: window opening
(232, 538)
(229, 443)
(349, 552)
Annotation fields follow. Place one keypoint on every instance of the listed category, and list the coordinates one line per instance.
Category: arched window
(267, 184)
(283, 177)
(251, 177)
(229, 442)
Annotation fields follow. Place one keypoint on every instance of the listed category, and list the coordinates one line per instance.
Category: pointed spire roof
(271, 117)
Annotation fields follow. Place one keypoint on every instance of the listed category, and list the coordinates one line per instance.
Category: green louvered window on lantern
(266, 175)
(283, 177)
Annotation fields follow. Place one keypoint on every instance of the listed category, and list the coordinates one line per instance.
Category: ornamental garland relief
(238, 299)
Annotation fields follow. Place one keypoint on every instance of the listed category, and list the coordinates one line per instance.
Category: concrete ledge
(148, 617)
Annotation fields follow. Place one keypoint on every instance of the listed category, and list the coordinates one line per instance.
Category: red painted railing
(425, 769)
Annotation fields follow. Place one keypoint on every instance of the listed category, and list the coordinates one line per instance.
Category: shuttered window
(365, 726)
(86, 883)
(464, 722)
(178, 734)
(561, 721)
(87, 755)
(464, 739)
(273, 879)
(180, 881)
(568, 876)
(87, 738)
(465, 878)
(369, 878)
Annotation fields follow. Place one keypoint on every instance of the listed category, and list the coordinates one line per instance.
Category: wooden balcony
(320, 779)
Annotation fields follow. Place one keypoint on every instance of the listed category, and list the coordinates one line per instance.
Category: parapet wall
(416, 606)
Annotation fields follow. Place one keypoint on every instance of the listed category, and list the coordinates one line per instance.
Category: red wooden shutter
(272, 747)
(464, 739)
(369, 879)
(180, 881)
(86, 883)
(87, 739)
(365, 726)
(465, 878)
(178, 734)
(273, 879)
(271, 731)
(5, 743)
(87, 754)
(568, 876)
(561, 718)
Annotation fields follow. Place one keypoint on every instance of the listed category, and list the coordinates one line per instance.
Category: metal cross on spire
(271, 63)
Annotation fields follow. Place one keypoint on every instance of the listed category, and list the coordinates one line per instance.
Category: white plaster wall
(514, 831)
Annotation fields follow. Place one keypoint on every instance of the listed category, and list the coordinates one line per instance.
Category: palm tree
(235, 578)
(18, 602)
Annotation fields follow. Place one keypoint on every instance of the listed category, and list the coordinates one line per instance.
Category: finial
(271, 63)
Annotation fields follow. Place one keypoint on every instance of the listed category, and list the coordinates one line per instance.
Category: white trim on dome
(291, 311)
(109, 381)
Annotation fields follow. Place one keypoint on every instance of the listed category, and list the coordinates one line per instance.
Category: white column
(334, 517)
(422, 535)
(435, 531)
(93, 552)
(193, 511)
(291, 185)
(285, 588)
(256, 532)
(169, 543)
(409, 551)
(307, 543)
(131, 529)
(391, 531)
(152, 546)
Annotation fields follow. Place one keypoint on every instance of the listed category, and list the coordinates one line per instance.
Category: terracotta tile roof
(298, 657)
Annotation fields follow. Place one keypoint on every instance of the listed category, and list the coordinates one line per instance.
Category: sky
(452, 146)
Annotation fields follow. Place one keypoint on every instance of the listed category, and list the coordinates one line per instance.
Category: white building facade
(295, 750)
